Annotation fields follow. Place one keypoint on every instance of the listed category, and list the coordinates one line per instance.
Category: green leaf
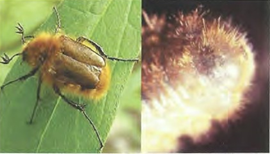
(57, 127)
(127, 124)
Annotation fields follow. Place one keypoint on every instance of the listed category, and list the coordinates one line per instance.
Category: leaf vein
(47, 125)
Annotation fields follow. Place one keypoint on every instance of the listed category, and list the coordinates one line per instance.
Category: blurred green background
(125, 135)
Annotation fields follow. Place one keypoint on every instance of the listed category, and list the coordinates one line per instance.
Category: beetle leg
(37, 101)
(21, 32)
(58, 26)
(6, 59)
(71, 103)
(101, 52)
(80, 108)
(22, 78)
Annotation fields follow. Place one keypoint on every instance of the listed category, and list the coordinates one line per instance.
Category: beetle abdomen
(94, 93)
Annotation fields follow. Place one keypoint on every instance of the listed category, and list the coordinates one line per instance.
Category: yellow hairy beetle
(66, 64)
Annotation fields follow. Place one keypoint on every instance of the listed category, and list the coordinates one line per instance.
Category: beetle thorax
(41, 48)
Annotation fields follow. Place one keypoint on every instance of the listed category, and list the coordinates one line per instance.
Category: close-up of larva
(200, 77)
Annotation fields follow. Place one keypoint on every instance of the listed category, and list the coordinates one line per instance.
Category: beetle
(66, 65)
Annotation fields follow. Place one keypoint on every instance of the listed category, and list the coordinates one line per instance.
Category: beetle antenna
(58, 26)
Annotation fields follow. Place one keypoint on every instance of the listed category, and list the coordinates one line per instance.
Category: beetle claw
(5, 59)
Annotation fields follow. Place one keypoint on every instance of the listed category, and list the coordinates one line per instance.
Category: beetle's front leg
(30, 74)
(7, 59)
(20, 31)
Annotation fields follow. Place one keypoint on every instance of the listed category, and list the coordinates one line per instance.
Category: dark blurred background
(250, 131)
(125, 134)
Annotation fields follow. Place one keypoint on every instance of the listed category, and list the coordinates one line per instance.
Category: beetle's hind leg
(80, 108)
(58, 26)
(71, 103)
(81, 39)
(20, 31)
